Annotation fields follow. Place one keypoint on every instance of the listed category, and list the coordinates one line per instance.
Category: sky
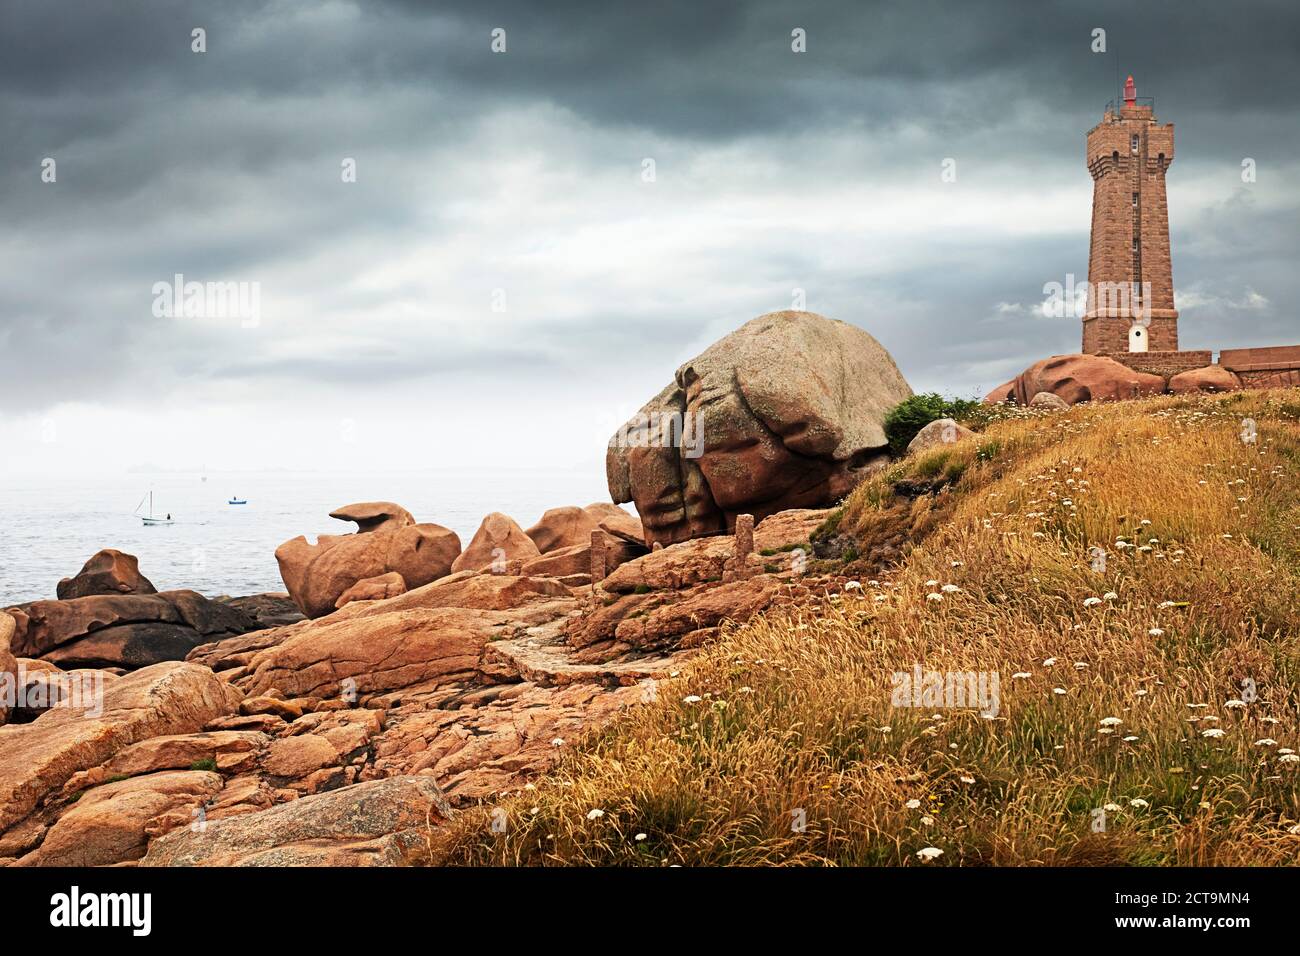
(537, 236)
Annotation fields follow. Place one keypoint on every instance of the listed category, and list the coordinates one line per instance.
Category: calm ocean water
(51, 526)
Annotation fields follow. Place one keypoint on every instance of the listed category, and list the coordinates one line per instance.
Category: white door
(1137, 339)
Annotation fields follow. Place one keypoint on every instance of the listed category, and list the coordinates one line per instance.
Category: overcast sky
(501, 286)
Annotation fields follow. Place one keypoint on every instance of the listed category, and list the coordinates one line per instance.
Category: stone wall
(1273, 367)
(1165, 364)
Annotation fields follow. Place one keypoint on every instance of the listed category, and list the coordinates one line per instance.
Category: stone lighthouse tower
(1131, 291)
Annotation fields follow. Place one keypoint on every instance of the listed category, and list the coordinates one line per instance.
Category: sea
(51, 526)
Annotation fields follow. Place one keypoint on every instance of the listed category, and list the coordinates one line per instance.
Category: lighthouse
(1131, 290)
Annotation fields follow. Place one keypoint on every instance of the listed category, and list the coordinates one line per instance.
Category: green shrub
(908, 417)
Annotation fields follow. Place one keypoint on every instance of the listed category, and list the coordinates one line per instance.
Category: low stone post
(597, 557)
(744, 546)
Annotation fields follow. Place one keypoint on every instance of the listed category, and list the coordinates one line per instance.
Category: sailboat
(237, 501)
(150, 520)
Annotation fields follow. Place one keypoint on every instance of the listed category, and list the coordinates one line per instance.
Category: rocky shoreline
(440, 696)
(402, 675)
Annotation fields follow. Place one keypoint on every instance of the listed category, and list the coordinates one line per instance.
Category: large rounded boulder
(107, 572)
(1078, 378)
(498, 541)
(1211, 378)
(786, 412)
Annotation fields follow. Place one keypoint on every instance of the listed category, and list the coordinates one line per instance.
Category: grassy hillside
(1119, 704)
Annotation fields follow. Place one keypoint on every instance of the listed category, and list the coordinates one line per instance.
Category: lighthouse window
(1135, 200)
(1135, 245)
(1133, 143)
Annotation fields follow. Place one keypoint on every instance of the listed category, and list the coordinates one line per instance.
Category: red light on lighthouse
(1130, 92)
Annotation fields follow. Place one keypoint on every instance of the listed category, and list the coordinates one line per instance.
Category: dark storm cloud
(226, 165)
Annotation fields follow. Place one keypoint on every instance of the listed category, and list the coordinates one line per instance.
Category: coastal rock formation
(38, 758)
(317, 575)
(40, 685)
(375, 516)
(1212, 378)
(785, 412)
(675, 567)
(498, 541)
(616, 522)
(8, 665)
(373, 589)
(562, 528)
(347, 740)
(941, 431)
(270, 609)
(371, 824)
(1078, 378)
(122, 630)
(576, 560)
(108, 572)
(376, 654)
(114, 823)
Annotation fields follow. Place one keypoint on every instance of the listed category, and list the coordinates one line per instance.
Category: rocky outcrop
(616, 522)
(383, 652)
(372, 824)
(1078, 378)
(375, 516)
(785, 412)
(576, 561)
(676, 567)
(941, 431)
(373, 589)
(1212, 378)
(114, 823)
(317, 575)
(38, 758)
(108, 572)
(270, 609)
(40, 686)
(498, 542)
(562, 528)
(334, 741)
(8, 666)
(126, 631)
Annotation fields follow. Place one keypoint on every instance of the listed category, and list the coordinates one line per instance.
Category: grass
(779, 744)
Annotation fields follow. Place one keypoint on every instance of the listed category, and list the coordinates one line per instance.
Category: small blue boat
(237, 501)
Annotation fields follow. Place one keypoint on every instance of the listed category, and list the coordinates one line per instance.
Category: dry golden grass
(794, 711)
